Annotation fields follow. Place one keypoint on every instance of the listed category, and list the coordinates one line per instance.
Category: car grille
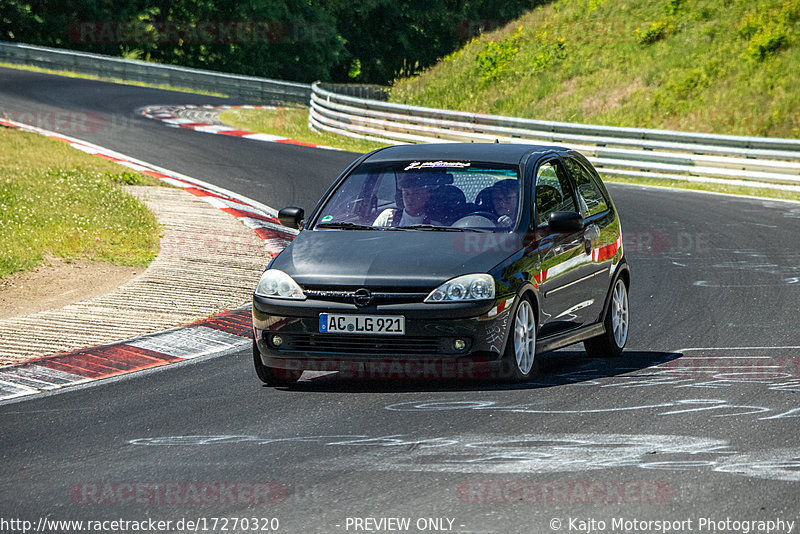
(379, 295)
(365, 344)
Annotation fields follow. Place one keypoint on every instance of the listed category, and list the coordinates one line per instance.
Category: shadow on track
(555, 369)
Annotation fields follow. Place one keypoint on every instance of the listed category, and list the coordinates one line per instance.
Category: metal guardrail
(734, 160)
(250, 88)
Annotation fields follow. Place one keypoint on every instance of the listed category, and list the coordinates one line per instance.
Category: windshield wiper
(347, 226)
(429, 227)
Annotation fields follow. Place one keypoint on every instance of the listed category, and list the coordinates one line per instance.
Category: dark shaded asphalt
(697, 420)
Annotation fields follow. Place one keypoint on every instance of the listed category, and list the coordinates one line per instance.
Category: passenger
(505, 196)
(415, 192)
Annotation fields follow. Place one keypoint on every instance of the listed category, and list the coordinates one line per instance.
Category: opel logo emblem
(362, 297)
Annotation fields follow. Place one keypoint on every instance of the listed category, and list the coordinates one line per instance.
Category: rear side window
(552, 192)
(589, 196)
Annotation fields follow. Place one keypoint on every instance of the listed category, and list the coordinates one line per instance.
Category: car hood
(394, 258)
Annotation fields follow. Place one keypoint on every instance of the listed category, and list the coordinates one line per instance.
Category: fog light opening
(277, 340)
(459, 344)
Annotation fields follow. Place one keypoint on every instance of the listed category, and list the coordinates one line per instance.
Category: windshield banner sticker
(435, 164)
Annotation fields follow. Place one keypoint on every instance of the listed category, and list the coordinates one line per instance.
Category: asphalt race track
(697, 421)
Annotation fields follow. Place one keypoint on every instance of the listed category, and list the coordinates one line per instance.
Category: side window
(552, 192)
(589, 195)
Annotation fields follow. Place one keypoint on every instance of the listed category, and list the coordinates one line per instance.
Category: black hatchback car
(442, 259)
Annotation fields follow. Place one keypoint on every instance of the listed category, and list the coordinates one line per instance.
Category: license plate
(331, 323)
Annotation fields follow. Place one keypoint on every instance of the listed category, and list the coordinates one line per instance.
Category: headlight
(469, 287)
(277, 284)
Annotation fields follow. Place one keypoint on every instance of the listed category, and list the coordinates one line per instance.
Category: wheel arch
(623, 272)
(526, 290)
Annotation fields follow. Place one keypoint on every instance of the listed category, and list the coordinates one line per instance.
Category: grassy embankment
(728, 67)
(55, 200)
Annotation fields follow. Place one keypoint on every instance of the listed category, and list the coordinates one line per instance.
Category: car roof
(484, 152)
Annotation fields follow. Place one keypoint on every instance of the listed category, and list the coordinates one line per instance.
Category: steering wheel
(486, 214)
(478, 219)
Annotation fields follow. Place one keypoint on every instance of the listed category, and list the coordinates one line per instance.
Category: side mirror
(565, 221)
(292, 217)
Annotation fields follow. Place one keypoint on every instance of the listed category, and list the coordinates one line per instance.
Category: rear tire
(273, 376)
(617, 321)
(519, 359)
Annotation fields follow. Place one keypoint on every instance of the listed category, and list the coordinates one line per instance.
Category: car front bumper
(427, 349)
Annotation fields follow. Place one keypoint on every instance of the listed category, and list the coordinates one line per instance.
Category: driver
(505, 195)
(415, 190)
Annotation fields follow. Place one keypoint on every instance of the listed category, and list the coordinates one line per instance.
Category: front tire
(273, 376)
(617, 321)
(519, 358)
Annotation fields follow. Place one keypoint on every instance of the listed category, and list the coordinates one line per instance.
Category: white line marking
(737, 348)
(726, 357)
(47, 374)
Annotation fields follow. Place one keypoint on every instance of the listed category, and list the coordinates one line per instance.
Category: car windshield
(425, 195)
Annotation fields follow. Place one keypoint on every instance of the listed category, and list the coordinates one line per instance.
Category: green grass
(293, 123)
(729, 67)
(55, 200)
(122, 81)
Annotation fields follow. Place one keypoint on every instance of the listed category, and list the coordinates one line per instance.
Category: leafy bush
(672, 6)
(657, 31)
(548, 51)
(494, 59)
(768, 30)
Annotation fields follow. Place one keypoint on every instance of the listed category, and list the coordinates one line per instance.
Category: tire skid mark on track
(219, 334)
(489, 454)
(205, 119)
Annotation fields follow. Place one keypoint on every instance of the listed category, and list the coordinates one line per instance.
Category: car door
(561, 256)
(600, 236)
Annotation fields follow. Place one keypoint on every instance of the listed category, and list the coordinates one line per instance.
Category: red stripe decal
(606, 252)
(235, 133)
